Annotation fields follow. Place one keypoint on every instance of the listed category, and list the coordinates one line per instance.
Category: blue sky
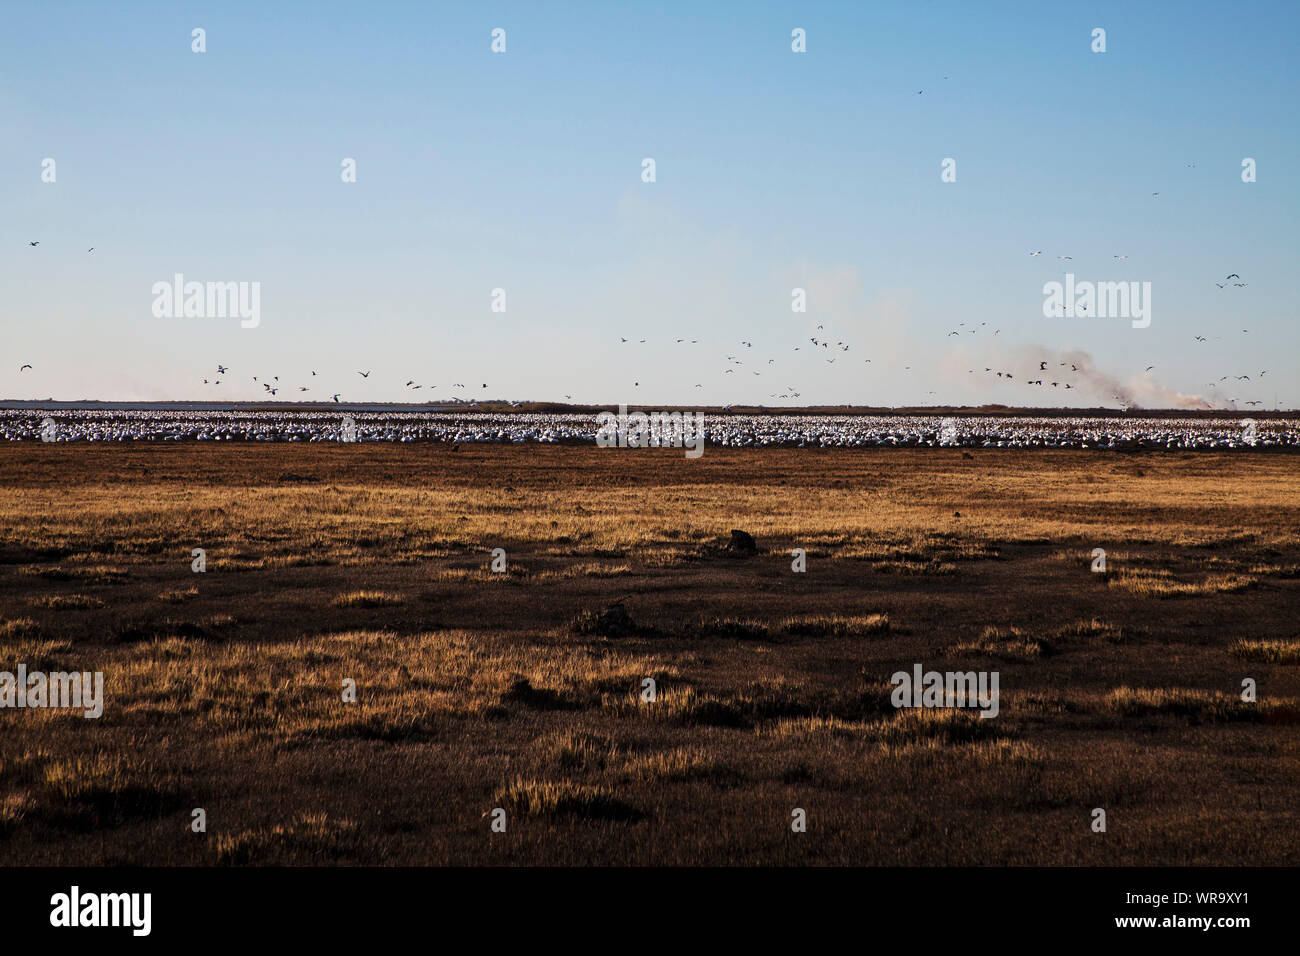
(775, 170)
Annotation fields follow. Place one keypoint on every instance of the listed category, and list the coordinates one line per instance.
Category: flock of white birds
(732, 430)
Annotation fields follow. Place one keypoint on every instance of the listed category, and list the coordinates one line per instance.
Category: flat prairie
(369, 565)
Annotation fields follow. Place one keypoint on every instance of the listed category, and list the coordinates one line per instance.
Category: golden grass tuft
(310, 838)
(1159, 583)
(537, 798)
(1267, 652)
(836, 625)
(1007, 642)
(67, 602)
(678, 765)
(20, 628)
(1199, 706)
(367, 599)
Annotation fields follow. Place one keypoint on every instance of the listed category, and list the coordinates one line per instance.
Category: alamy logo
(653, 430)
(1102, 300)
(78, 690)
(208, 300)
(72, 909)
(951, 689)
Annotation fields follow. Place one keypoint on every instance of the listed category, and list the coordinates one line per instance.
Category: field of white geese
(721, 430)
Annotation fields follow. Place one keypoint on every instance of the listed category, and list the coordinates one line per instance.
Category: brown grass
(474, 690)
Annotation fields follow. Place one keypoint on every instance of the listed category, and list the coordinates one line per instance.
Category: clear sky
(523, 171)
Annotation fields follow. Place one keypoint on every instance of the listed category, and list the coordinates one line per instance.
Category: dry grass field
(476, 690)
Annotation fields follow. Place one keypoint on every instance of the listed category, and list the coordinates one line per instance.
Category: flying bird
(24, 368)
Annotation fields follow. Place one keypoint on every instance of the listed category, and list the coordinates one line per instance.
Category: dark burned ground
(479, 690)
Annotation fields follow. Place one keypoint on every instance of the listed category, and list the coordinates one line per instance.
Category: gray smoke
(1140, 391)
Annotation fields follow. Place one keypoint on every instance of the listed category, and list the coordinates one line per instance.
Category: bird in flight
(36, 243)
(1233, 276)
(364, 374)
(335, 396)
(1038, 253)
(24, 368)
